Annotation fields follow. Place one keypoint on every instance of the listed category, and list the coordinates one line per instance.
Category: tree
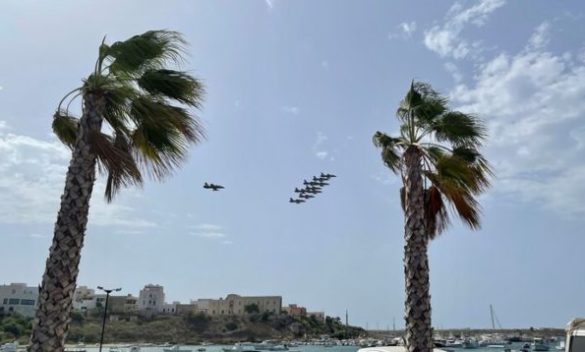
(251, 308)
(437, 156)
(144, 104)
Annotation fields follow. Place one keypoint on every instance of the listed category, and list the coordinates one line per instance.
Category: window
(5, 300)
(27, 302)
(13, 301)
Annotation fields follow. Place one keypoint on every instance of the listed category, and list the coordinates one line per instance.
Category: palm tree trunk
(59, 280)
(416, 265)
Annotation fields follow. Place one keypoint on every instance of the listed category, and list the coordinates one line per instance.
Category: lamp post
(107, 291)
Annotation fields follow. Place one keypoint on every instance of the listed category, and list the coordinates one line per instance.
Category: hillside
(187, 329)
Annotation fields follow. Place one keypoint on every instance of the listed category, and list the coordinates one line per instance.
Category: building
(170, 308)
(151, 299)
(122, 304)
(19, 298)
(85, 299)
(295, 311)
(236, 305)
(318, 315)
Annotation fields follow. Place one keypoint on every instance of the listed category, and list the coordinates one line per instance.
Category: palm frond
(436, 214)
(460, 198)
(172, 84)
(459, 129)
(65, 128)
(390, 150)
(115, 159)
(162, 135)
(118, 99)
(148, 50)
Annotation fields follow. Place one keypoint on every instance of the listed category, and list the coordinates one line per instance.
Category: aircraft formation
(311, 188)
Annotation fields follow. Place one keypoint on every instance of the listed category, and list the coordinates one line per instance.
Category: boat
(201, 349)
(561, 346)
(175, 348)
(241, 347)
(540, 345)
(9, 347)
(470, 344)
(525, 347)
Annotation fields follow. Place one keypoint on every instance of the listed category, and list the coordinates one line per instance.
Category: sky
(295, 88)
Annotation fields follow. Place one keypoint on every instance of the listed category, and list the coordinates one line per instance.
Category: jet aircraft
(212, 186)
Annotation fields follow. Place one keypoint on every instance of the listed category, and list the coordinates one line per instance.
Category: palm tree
(437, 156)
(149, 129)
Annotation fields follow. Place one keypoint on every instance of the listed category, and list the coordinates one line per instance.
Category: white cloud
(540, 37)
(454, 71)
(318, 148)
(533, 103)
(32, 177)
(227, 242)
(37, 235)
(321, 155)
(1, 87)
(209, 231)
(404, 30)
(325, 64)
(294, 110)
(269, 3)
(445, 39)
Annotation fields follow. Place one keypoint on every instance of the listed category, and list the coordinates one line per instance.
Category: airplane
(298, 201)
(313, 190)
(320, 179)
(321, 184)
(301, 191)
(306, 196)
(327, 176)
(212, 187)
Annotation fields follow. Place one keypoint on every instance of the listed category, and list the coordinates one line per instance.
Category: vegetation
(252, 308)
(193, 328)
(143, 104)
(437, 156)
(14, 327)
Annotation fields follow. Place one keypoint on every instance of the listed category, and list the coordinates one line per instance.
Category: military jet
(313, 190)
(298, 201)
(212, 186)
(319, 179)
(306, 196)
(322, 184)
(327, 176)
(310, 183)
(301, 191)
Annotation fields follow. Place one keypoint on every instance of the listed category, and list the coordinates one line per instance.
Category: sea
(303, 348)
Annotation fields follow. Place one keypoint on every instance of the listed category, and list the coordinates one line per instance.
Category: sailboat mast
(492, 316)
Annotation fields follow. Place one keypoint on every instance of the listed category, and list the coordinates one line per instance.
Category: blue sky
(299, 87)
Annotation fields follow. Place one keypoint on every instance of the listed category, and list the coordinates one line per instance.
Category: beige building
(122, 304)
(151, 298)
(318, 315)
(19, 298)
(236, 305)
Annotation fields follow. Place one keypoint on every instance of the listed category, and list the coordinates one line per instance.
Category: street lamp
(107, 291)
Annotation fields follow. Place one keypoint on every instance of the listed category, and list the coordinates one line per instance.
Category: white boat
(392, 349)
(175, 348)
(9, 347)
(469, 344)
(241, 347)
(539, 345)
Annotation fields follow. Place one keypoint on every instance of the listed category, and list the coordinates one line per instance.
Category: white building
(151, 298)
(19, 298)
(85, 299)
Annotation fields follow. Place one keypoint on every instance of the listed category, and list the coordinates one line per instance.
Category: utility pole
(346, 319)
(393, 323)
(107, 291)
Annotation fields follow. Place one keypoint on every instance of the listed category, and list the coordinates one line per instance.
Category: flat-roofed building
(236, 305)
(19, 298)
(295, 310)
(122, 304)
(151, 298)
